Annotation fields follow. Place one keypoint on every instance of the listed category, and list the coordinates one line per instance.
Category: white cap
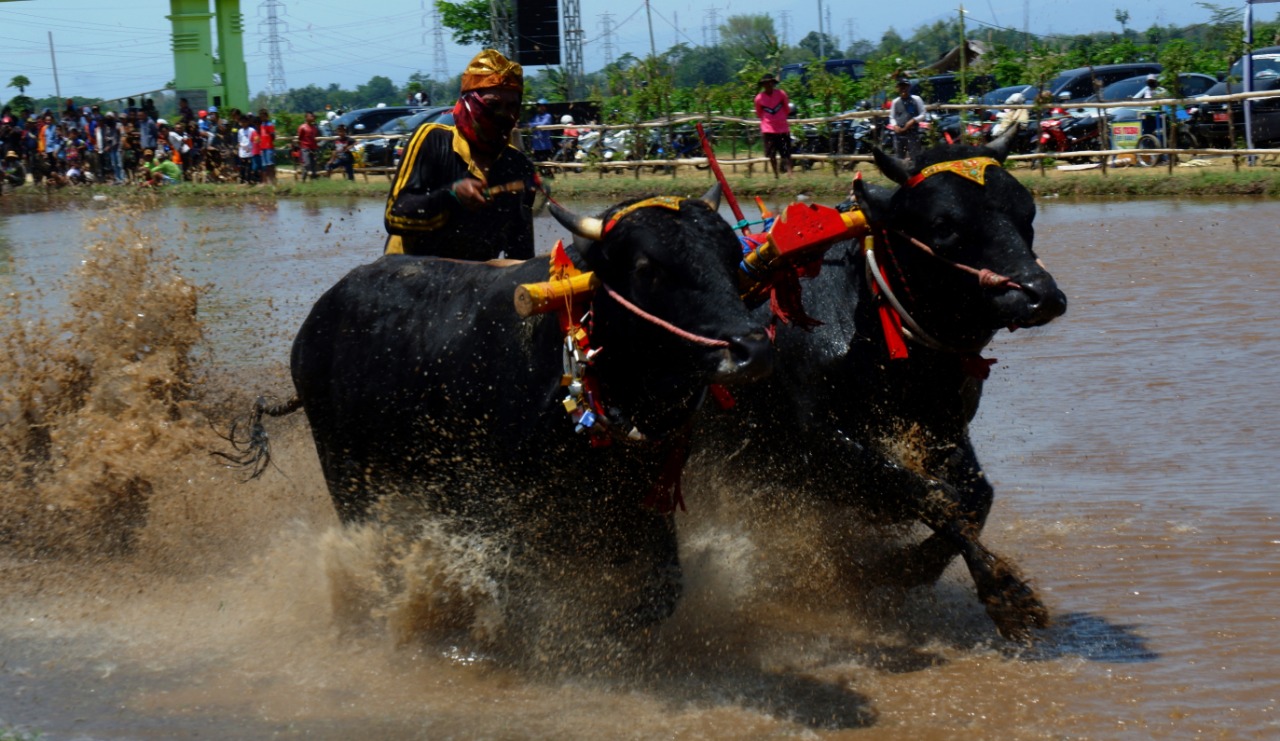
(1152, 78)
(381, 105)
(1016, 99)
(161, 122)
(566, 119)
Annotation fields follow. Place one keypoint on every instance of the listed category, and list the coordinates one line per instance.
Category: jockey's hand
(471, 193)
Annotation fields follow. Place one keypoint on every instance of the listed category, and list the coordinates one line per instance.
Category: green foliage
(752, 39)
(468, 20)
(20, 82)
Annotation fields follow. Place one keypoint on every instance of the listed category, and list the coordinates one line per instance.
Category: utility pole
(964, 55)
(785, 17)
(606, 37)
(822, 35)
(438, 61)
(572, 12)
(276, 86)
(653, 47)
(57, 89)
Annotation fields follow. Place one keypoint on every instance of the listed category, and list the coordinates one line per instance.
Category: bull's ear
(873, 200)
(590, 250)
(712, 197)
(999, 147)
(892, 167)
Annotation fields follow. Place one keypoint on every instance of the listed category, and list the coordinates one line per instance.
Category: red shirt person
(772, 108)
(309, 146)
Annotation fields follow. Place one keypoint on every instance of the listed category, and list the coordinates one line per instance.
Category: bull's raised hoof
(424, 387)
(847, 418)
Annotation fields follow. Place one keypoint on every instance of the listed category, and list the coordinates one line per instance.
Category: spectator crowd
(83, 144)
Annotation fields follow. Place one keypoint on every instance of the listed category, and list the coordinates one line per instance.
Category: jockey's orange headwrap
(489, 69)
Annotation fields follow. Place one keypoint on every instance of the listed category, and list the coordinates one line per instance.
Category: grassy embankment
(1216, 178)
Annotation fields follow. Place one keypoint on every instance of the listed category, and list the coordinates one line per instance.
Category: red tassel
(893, 338)
(666, 496)
(722, 396)
(785, 299)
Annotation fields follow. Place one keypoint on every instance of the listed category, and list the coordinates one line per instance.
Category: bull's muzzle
(747, 358)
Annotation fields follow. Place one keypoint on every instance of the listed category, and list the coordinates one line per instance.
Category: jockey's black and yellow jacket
(423, 217)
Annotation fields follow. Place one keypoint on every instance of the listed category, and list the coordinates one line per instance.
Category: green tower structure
(202, 76)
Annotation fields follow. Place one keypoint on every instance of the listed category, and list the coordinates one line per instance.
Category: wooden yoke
(566, 283)
(798, 238)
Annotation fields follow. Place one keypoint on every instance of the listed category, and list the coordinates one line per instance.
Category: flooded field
(145, 592)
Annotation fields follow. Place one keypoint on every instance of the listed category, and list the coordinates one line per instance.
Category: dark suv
(367, 120)
(1210, 123)
(1076, 85)
(852, 68)
(946, 88)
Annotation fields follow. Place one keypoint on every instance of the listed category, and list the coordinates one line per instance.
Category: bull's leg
(655, 560)
(956, 515)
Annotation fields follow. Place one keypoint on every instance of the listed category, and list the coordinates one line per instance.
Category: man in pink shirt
(772, 108)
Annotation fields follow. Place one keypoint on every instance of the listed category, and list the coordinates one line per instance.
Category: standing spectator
(772, 108)
(907, 113)
(541, 139)
(148, 130)
(267, 147)
(309, 146)
(247, 141)
(185, 114)
(112, 133)
(343, 154)
(193, 159)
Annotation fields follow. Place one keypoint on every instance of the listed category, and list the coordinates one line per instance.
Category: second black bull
(863, 414)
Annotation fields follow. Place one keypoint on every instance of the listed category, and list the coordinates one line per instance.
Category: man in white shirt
(907, 113)
(1151, 90)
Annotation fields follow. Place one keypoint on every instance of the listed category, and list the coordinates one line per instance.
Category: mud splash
(97, 407)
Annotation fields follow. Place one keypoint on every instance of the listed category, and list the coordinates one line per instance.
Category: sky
(113, 48)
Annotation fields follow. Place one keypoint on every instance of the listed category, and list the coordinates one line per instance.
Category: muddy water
(1132, 445)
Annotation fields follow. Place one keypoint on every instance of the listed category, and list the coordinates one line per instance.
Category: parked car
(1190, 85)
(1077, 84)
(381, 152)
(1210, 122)
(367, 120)
(946, 88)
(852, 68)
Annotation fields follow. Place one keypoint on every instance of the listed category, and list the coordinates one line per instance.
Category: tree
(469, 21)
(751, 38)
(1122, 17)
(378, 89)
(820, 45)
(20, 82)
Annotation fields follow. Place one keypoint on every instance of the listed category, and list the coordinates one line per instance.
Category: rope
(673, 329)
(986, 278)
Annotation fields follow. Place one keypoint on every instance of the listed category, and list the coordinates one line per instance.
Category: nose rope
(673, 329)
(986, 278)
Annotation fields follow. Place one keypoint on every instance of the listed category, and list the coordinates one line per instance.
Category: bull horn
(712, 197)
(581, 226)
(890, 166)
(1001, 144)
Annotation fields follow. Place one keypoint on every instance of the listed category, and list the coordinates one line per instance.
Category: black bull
(422, 385)
(834, 418)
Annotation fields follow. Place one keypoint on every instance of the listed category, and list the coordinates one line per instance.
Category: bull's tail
(250, 444)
